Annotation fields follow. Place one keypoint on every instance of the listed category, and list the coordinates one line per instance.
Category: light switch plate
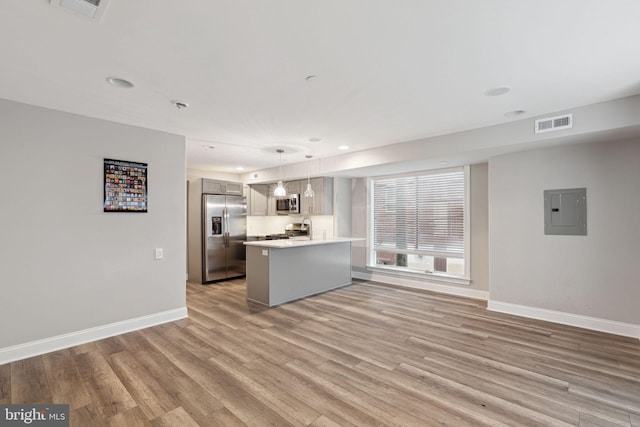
(159, 253)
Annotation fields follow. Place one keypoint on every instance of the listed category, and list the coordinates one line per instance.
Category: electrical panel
(565, 212)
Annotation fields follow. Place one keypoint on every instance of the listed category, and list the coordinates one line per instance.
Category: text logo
(34, 415)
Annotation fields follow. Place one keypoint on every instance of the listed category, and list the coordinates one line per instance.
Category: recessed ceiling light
(311, 79)
(315, 139)
(118, 82)
(497, 91)
(343, 147)
(515, 113)
(444, 163)
(239, 168)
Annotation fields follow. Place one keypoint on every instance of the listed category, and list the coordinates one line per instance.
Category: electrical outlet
(265, 252)
(159, 253)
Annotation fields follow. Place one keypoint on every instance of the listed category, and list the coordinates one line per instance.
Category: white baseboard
(421, 284)
(47, 345)
(593, 323)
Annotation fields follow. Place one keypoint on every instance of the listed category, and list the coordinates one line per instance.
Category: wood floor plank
(5, 384)
(285, 404)
(606, 398)
(221, 342)
(132, 417)
(194, 398)
(64, 379)
(482, 360)
(222, 418)
(86, 416)
(588, 420)
(367, 405)
(421, 409)
(219, 384)
(29, 381)
(323, 421)
(449, 374)
(362, 355)
(317, 396)
(324, 350)
(149, 395)
(475, 408)
(108, 394)
(173, 418)
(510, 380)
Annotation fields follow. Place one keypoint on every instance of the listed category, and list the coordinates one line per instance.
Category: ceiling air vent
(92, 9)
(550, 124)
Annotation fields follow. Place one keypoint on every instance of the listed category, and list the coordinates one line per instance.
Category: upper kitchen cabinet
(292, 187)
(212, 186)
(322, 202)
(258, 199)
(262, 201)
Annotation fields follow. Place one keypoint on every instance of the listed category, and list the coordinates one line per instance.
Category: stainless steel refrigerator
(224, 223)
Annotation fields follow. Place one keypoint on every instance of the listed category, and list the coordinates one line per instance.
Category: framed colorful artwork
(125, 186)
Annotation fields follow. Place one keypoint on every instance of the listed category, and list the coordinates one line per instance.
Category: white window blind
(421, 214)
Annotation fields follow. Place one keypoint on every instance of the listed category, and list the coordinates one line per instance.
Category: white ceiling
(388, 71)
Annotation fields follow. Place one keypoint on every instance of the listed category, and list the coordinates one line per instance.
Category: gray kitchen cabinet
(210, 186)
(214, 186)
(322, 202)
(258, 199)
(263, 202)
(292, 187)
(271, 199)
(235, 188)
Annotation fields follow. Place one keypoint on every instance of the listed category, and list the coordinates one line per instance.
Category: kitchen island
(280, 271)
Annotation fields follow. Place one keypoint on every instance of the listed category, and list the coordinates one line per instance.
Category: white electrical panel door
(565, 212)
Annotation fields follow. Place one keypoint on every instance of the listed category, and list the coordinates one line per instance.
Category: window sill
(440, 278)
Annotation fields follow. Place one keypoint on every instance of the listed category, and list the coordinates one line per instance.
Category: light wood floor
(363, 355)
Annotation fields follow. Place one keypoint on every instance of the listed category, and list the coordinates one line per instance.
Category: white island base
(280, 271)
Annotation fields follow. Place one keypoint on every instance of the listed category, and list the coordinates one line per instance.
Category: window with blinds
(421, 215)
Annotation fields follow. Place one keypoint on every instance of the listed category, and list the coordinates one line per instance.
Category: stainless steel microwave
(290, 204)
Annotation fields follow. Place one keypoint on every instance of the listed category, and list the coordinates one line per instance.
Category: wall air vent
(91, 9)
(550, 124)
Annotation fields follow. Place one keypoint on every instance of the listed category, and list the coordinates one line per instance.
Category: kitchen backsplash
(261, 225)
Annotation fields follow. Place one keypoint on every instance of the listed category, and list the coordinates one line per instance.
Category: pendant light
(280, 190)
(309, 191)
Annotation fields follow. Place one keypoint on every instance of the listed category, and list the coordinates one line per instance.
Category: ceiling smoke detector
(91, 9)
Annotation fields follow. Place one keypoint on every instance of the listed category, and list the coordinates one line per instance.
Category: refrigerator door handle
(226, 227)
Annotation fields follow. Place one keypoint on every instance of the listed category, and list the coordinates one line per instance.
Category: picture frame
(125, 186)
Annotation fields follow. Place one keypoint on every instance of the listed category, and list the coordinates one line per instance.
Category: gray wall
(359, 223)
(65, 265)
(342, 206)
(593, 275)
(479, 211)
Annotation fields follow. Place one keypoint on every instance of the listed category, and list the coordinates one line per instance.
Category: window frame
(402, 271)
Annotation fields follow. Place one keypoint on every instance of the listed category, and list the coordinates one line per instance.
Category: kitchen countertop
(296, 243)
